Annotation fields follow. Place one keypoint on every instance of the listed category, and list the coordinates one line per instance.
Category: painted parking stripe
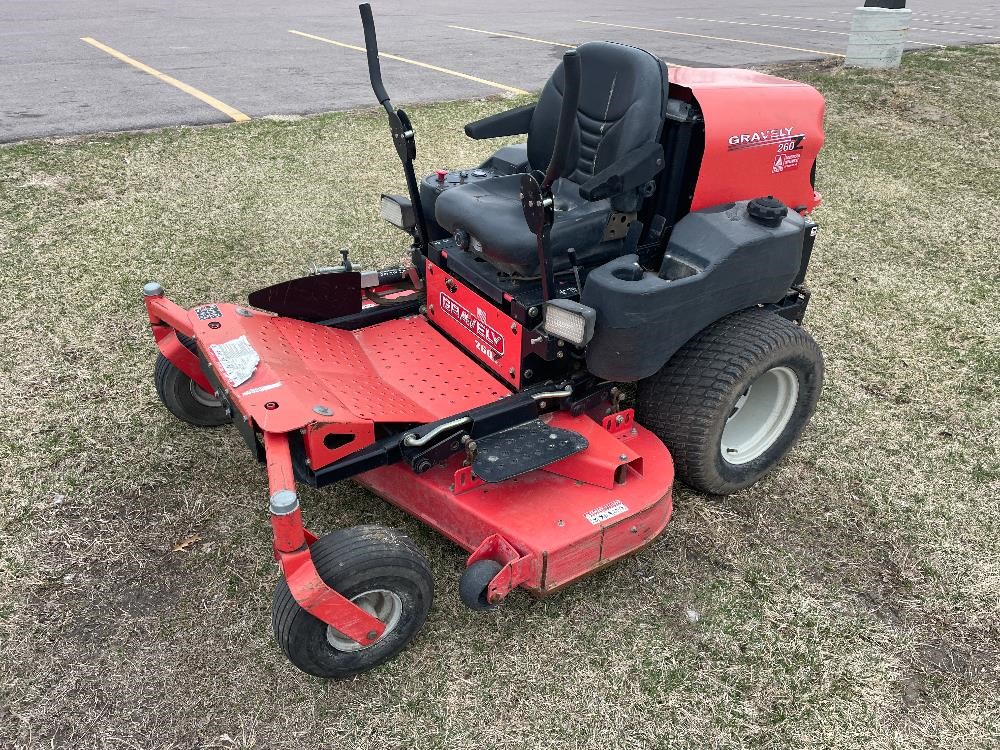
(793, 28)
(919, 15)
(211, 101)
(714, 38)
(847, 20)
(835, 20)
(438, 68)
(533, 39)
(513, 36)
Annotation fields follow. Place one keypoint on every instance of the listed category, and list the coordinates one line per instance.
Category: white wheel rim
(760, 415)
(380, 603)
(202, 396)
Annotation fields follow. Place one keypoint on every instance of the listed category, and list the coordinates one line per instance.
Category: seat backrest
(623, 99)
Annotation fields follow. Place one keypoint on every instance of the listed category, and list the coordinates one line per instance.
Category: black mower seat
(622, 105)
(491, 211)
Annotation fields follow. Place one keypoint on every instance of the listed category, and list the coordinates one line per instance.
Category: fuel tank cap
(768, 211)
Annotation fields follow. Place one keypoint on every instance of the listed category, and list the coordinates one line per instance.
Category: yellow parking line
(211, 101)
(533, 39)
(438, 68)
(715, 38)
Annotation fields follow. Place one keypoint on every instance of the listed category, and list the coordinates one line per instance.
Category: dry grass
(851, 600)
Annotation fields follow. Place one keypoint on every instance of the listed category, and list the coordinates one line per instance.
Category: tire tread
(681, 402)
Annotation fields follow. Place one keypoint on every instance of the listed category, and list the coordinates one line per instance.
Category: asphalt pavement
(72, 66)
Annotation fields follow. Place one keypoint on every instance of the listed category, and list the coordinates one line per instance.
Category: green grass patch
(849, 600)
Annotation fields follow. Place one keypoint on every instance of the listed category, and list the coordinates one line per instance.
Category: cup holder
(631, 272)
(673, 269)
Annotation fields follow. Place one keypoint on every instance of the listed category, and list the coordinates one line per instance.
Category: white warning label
(600, 515)
(237, 359)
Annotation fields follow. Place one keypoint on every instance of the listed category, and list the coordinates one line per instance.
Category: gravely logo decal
(767, 138)
(482, 330)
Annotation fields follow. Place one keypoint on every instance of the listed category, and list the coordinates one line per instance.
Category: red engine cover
(762, 135)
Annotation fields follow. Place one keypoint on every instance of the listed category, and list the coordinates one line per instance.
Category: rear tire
(184, 398)
(382, 571)
(734, 400)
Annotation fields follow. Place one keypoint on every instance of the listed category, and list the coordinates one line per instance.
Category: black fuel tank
(719, 260)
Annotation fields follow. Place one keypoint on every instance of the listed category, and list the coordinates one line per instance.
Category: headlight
(398, 211)
(569, 321)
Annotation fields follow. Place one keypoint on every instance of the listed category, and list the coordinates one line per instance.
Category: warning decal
(785, 163)
(599, 515)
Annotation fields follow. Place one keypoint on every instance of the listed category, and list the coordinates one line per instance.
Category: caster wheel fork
(349, 601)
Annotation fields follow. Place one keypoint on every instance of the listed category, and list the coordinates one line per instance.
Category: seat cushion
(490, 210)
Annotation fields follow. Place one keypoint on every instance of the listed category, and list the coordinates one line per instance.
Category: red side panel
(762, 136)
(485, 331)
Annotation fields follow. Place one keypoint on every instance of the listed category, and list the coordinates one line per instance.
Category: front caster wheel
(474, 582)
(378, 569)
(184, 398)
(734, 399)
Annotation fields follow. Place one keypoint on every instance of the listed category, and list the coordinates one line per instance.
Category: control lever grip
(371, 48)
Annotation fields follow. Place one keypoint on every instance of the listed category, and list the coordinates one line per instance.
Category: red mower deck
(600, 504)
(553, 525)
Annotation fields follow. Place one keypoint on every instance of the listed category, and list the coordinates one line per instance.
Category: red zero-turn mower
(651, 231)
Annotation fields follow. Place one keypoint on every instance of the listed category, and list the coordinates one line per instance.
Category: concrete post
(877, 37)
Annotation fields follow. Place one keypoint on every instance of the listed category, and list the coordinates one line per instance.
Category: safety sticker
(785, 163)
(599, 515)
(262, 388)
(237, 359)
(208, 312)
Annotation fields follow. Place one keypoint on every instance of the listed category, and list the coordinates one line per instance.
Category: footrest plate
(524, 448)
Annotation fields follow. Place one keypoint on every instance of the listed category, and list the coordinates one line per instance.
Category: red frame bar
(167, 319)
(291, 546)
(162, 310)
(180, 356)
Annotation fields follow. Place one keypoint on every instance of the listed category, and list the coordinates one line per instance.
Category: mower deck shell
(561, 523)
(547, 527)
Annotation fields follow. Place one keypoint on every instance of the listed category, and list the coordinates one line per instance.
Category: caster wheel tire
(474, 581)
(378, 569)
(184, 398)
(734, 400)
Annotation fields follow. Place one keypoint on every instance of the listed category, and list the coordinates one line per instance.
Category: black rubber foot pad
(524, 448)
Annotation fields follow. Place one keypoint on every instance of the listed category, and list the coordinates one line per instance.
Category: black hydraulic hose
(567, 118)
(371, 47)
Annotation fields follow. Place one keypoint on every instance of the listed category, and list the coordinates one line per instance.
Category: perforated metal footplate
(524, 448)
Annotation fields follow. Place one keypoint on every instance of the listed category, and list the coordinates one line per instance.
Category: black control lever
(536, 189)
(574, 264)
(371, 48)
(399, 124)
